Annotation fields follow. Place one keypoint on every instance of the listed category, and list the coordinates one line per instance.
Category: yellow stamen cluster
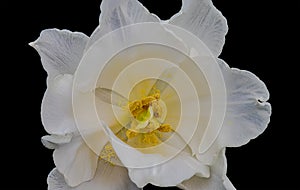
(139, 106)
(165, 128)
(148, 113)
(131, 134)
(151, 138)
(108, 154)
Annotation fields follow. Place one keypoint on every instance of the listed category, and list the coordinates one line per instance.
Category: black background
(257, 41)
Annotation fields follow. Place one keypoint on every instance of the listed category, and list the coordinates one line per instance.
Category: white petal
(119, 13)
(57, 113)
(76, 161)
(151, 156)
(56, 181)
(53, 141)
(108, 177)
(170, 173)
(211, 154)
(202, 19)
(228, 185)
(248, 113)
(60, 50)
(198, 183)
(217, 180)
(163, 165)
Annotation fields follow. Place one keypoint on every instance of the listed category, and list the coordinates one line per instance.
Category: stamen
(108, 154)
(165, 128)
(147, 128)
(138, 107)
(151, 138)
(130, 134)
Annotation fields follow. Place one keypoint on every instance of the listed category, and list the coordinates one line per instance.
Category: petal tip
(32, 44)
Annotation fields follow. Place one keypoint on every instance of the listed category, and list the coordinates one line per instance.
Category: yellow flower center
(140, 108)
(147, 126)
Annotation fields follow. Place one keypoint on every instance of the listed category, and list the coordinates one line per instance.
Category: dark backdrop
(254, 42)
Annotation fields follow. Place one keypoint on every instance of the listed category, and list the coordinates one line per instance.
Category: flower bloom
(146, 101)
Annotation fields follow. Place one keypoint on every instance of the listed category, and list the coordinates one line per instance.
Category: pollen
(165, 128)
(135, 107)
(138, 107)
(151, 139)
(147, 126)
(108, 154)
(130, 134)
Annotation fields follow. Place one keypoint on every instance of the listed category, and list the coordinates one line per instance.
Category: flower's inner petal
(209, 83)
(151, 155)
(111, 97)
(137, 70)
(132, 54)
(146, 125)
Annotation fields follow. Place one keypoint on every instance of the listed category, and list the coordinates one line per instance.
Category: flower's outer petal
(119, 13)
(57, 113)
(56, 181)
(107, 177)
(248, 113)
(53, 141)
(170, 173)
(227, 184)
(60, 50)
(201, 18)
(76, 161)
(217, 180)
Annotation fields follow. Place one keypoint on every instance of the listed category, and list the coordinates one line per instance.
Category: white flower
(165, 109)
